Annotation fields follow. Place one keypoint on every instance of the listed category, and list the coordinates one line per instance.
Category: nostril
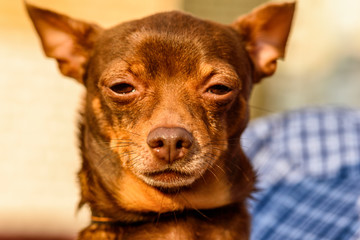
(160, 143)
(155, 143)
(184, 142)
(179, 144)
(187, 142)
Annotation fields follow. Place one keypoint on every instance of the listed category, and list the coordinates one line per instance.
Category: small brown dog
(167, 99)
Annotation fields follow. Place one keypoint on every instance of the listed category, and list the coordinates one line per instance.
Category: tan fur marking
(208, 192)
(105, 126)
(211, 191)
(135, 195)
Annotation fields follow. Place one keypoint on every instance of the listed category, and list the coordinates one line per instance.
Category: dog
(166, 103)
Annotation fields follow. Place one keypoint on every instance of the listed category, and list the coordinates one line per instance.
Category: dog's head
(167, 99)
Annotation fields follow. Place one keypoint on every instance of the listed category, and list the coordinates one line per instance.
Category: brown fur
(172, 75)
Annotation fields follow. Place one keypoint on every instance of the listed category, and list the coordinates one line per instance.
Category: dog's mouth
(168, 179)
(167, 175)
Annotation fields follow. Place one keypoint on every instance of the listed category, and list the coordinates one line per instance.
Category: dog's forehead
(171, 41)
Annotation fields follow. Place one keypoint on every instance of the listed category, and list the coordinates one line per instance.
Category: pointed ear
(265, 31)
(67, 40)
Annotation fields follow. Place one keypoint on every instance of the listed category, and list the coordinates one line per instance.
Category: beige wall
(322, 64)
(224, 11)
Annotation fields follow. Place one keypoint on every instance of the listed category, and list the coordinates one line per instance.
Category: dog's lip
(168, 178)
(167, 175)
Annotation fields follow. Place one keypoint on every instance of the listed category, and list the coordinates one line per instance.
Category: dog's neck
(154, 217)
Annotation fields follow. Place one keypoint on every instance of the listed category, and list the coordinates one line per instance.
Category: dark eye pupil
(219, 89)
(122, 88)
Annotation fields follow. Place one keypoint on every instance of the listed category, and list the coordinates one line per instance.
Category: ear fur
(265, 31)
(67, 40)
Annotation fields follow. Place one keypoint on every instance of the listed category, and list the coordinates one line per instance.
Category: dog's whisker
(218, 149)
(210, 161)
(193, 207)
(130, 142)
(122, 141)
(219, 167)
(128, 154)
(214, 174)
(219, 141)
(262, 109)
(211, 156)
(119, 139)
(203, 178)
(123, 144)
(133, 161)
(119, 147)
(131, 132)
(102, 161)
(242, 171)
(175, 218)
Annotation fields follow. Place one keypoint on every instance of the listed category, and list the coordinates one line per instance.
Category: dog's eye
(122, 88)
(219, 89)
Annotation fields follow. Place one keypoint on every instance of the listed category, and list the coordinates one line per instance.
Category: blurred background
(38, 107)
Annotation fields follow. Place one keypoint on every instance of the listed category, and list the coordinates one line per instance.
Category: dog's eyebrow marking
(116, 69)
(225, 71)
(136, 69)
(121, 68)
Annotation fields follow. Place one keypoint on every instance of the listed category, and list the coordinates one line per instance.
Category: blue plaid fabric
(308, 165)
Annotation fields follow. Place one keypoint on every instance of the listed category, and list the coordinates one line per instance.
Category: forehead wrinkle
(166, 53)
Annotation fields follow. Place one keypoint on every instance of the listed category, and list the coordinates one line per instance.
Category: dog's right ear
(265, 31)
(67, 40)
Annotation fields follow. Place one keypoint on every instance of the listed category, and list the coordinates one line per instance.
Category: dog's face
(167, 95)
(168, 99)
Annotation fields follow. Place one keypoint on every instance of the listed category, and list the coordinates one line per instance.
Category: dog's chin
(168, 181)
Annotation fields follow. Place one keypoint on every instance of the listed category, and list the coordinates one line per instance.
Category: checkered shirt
(308, 166)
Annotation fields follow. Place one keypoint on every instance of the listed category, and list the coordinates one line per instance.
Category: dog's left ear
(67, 40)
(265, 31)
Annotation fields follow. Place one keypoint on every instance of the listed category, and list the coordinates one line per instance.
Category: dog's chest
(181, 228)
(176, 230)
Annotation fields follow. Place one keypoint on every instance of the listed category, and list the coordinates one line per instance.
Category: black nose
(169, 144)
